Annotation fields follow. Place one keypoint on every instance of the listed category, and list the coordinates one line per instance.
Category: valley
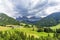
(29, 20)
(47, 28)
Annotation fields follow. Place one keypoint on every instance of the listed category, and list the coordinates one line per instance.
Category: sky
(29, 8)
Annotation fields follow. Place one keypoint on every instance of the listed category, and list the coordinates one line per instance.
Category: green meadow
(27, 31)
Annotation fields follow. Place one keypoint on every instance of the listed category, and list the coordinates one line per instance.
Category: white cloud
(15, 8)
(53, 9)
(7, 8)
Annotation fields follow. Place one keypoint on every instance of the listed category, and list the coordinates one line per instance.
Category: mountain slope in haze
(28, 20)
(6, 20)
(50, 20)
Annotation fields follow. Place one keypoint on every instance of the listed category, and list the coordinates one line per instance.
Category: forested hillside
(6, 20)
(50, 20)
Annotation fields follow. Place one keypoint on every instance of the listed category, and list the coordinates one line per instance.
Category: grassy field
(56, 27)
(35, 33)
(29, 31)
(2, 28)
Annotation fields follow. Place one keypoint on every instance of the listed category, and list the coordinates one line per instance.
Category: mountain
(28, 20)
(6, 20)
(50, 20)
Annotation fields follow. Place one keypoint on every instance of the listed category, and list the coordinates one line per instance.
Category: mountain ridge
(6, 20)
(28, 20)
(50, 20)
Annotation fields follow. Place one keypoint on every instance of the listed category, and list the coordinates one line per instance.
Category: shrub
(48, 30)
(58, 30)
(40, 30)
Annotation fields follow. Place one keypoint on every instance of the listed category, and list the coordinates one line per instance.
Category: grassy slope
(2, 28)
(35, 33)
(30, 32)
(56, 27)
